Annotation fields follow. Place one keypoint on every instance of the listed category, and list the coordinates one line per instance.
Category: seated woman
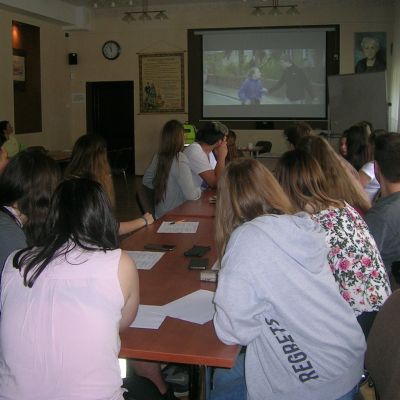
(276, 295)
(169, 173)
(3, 154)
(357, 145)
(26, 186)
(341, 181)
(89, 159)
(64, 302)
(367, 171)
(353, 256)
(233, 151)
(11, 145)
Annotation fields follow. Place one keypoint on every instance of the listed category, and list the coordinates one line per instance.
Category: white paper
(179, 227)
(145, 259)
(150, 317)
(196, 307)
(216, 266)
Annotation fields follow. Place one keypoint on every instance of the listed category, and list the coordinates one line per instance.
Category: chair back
(145, 199)
(266, 146)
(383, 350)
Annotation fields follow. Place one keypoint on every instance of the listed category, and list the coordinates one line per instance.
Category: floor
(127, 208)
(126, 205)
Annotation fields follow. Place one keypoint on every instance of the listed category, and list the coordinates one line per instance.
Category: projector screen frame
(195, 81)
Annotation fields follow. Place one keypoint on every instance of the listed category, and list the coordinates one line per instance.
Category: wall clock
(111, 50)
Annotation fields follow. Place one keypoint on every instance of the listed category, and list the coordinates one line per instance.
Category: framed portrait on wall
(369, 52)
(162, 88)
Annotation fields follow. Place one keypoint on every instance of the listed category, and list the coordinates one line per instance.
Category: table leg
(197, 382)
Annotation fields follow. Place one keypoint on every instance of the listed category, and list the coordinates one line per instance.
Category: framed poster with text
(162, 85)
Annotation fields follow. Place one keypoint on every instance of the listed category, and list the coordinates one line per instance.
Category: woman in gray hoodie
(277, 296)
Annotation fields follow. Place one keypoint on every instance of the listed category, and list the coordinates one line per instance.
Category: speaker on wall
(72, 58)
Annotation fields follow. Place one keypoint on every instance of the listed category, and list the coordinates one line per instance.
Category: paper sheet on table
(196, 307)
(145, 259)
(216, 266)
(150, 317)
(181, 227)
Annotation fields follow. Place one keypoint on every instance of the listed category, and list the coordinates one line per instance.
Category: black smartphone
(198, 263)
(197, 251)
(159, 247)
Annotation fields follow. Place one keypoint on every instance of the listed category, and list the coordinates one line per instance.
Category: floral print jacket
(354, 259)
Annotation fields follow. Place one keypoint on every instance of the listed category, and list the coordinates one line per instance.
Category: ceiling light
(257, 12)
(275, 9)
(128, 17)
(145, 16)
(293, 11)
(161, 15)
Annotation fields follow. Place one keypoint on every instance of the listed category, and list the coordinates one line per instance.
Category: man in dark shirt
(383, 218)
(296, 82)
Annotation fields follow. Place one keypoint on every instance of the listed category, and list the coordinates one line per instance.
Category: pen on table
(177, 222)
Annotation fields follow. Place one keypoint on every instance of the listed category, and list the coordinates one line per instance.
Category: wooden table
(176, 340)
(253, 152)
(196, 208)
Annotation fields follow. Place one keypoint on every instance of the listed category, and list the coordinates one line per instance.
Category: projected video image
(263, 77)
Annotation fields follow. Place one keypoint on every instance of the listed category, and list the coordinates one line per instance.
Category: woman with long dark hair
(63, 303)
(357, 145)
(169, 173)
(276, 295)
(26, 186)
(353, 256)
(89, 159)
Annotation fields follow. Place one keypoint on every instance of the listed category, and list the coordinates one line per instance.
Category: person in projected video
(295, 80)
(252, 88)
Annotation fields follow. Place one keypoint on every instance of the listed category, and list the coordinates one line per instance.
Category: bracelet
(145, 221)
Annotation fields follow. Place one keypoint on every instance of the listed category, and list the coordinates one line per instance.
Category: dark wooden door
(110, 113)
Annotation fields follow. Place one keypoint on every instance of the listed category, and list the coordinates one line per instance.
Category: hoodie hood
(298, 236)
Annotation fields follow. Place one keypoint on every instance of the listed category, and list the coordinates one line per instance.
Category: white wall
(55, 82)
(66, 121)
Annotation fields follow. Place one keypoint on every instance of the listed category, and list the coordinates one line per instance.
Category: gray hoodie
(277, 295)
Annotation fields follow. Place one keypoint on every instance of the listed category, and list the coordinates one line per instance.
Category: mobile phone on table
(159, 247)
(198, 263)
(197, 251)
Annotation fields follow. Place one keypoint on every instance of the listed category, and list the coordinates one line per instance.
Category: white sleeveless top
(59, 339)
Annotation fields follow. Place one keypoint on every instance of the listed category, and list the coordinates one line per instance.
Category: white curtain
(394, 110)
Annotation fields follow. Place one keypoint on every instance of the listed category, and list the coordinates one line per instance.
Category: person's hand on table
(149, 218)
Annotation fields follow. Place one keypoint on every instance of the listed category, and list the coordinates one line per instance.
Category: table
(175, 341)
(253, 152)
(196, 208)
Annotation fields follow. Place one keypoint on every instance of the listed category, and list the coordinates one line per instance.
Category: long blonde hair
(246, 190)
(89, 159)
(341, 184)
(304, 182)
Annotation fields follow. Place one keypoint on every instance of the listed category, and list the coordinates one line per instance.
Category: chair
(145, 199)
(120, 161)
(266, 146)
(383, 351)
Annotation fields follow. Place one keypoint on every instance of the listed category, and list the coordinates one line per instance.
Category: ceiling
(138, 3)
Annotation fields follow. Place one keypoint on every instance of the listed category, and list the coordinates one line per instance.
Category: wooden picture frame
(162, 83)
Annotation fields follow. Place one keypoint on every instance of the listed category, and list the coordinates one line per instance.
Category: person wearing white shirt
(207, 155)
(169, 173)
